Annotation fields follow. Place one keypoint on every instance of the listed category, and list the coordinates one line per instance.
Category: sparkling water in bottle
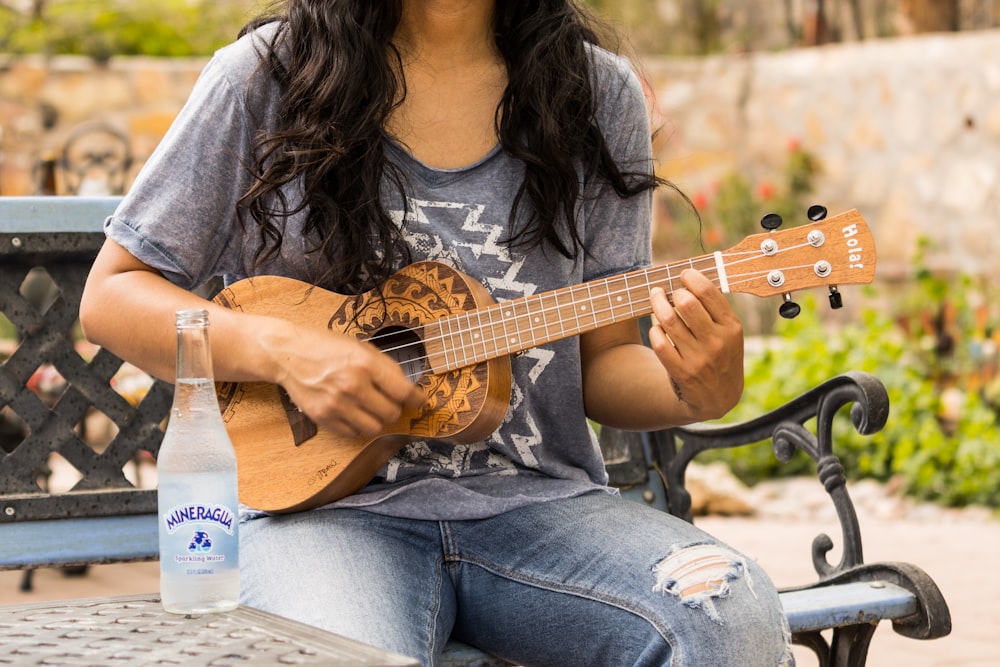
(197, 495)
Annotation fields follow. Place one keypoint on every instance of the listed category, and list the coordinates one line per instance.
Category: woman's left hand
(699, 341)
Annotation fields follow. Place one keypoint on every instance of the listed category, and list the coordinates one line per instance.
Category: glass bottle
(197, 494)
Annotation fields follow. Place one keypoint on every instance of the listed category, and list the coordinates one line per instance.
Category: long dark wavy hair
(340, 78)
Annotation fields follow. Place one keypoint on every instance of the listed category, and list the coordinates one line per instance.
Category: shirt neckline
(436, 176)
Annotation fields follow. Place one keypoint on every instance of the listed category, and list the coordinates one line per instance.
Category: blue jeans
(593, 580)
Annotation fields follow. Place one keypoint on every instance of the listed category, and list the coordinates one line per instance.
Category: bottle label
(180, 515)
(204, 528)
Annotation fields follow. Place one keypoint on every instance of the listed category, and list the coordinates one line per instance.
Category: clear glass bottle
(197, 494)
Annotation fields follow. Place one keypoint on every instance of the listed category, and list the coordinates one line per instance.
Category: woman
(342, 139)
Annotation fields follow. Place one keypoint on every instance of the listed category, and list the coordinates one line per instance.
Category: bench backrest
(51, 387)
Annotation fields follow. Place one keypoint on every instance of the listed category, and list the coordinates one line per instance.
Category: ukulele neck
(519, 324)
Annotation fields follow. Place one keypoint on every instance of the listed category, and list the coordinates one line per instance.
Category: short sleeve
(180, 214)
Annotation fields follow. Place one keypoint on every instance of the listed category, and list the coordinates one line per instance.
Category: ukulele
(454, 341)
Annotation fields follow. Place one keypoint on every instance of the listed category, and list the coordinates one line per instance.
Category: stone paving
(958, 548)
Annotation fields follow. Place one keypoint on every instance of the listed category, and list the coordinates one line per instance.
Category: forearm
(342, 383)
(626, 387)
(130, 309)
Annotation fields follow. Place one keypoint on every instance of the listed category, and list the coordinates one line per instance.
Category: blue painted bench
(47, 245)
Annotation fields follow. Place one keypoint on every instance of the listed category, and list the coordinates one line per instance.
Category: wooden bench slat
(78, 541)
(846, 604)
(55, 214)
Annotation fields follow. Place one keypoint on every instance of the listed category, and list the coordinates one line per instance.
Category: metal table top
(134, 630)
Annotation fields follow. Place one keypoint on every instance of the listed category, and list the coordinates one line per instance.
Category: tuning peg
(771, 221)
(836, 299)
(789, 309)
(816, 213)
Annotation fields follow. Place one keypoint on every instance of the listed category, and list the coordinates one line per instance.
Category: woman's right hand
(346, 385)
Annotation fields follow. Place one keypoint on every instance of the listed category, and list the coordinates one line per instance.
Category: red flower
(766, 191)
(700, 200)
(713, 236)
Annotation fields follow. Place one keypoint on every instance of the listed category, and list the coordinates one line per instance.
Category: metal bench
(47, 245)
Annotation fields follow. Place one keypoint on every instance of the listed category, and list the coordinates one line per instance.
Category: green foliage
(731, 207)
(7, 329)
(952, 464)
(733, 211)
(103, 28)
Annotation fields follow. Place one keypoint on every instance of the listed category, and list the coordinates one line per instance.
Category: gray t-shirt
(179, 217)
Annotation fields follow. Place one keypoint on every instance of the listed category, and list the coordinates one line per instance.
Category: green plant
(731, 207)
(948, 317)
(934, 346)
(7, 329)
(952, 466)
(104, 28)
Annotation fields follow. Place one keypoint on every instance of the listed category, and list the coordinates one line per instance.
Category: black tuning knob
(771, 221)
(789, 309)
(836, 300)
(816, 213)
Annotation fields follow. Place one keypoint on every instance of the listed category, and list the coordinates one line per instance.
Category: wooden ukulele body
(287, 463)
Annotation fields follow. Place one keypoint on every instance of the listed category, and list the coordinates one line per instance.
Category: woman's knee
(731, 611)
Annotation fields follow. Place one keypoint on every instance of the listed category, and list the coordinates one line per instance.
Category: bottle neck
(194, 357)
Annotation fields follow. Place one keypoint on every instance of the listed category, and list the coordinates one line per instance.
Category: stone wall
(44, 101)
(906, 130)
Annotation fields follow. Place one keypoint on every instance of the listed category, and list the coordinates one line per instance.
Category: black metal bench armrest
(673, 449)
(930, 619)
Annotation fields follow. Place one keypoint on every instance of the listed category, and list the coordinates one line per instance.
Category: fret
(554, 328)
(621, 299)
(647, 275)
(511, 334)
(448, 349)
(479, 336)
(491, 340)
(463, 338)
(471, 335)
(588, 307)
(577, 326)
(631, 296)
(606, 312)
(531, 321)
(522, 320)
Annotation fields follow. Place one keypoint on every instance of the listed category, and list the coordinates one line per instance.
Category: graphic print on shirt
(454, 233)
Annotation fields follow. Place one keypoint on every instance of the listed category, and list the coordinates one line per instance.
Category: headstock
(824, 253)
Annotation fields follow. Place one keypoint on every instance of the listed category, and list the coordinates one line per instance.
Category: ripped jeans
(593, 580)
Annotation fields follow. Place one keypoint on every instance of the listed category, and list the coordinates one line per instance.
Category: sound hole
(405, 347)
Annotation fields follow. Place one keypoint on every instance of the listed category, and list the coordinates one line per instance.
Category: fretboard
(512, 326)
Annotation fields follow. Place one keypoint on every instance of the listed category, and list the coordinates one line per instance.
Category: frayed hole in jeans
(699, 574)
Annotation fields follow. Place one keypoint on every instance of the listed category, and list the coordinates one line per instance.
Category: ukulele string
(595, 315)
(600, 317)
(649, 282)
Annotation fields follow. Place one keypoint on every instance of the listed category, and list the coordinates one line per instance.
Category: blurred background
(891, 107)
